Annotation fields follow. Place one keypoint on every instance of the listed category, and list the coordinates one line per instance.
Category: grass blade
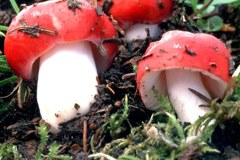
(15, 6)
(3, 28)
(5, 69)
(8, 80)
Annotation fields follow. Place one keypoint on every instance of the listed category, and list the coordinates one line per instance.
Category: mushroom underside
(138, 32)
(175, 83)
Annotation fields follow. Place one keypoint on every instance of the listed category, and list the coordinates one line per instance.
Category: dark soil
(20, 125)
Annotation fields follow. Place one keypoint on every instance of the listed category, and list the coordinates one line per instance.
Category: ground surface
(19, 125)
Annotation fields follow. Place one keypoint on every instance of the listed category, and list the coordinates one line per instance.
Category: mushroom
(191, 69)
(60, 38)
(135, 16)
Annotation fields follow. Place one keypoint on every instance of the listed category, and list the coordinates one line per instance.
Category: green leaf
(209, 9)
(192, 3)
(220, 2)
(212, 24)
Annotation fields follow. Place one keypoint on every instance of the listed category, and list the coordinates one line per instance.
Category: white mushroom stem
(66, 81)
(186, 103)
(236, 72)
(138, 32)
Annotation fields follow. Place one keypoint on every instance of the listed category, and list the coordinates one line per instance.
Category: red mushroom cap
(55, 23)
(129, 12)
(184, 50)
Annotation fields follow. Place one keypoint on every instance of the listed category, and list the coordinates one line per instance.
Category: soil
(20, 125)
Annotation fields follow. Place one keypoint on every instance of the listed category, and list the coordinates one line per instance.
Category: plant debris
(33, 31)
(73, 5)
